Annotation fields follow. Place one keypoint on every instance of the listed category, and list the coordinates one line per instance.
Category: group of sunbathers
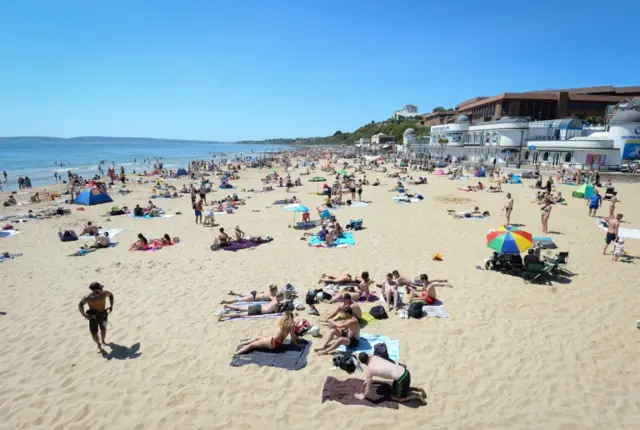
(416, 290)
(143, 244)
(223, 239)
(253, 304)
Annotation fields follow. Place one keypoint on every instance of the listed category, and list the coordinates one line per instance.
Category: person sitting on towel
(223, 238)
(239, 234)
(361, 291)
(347, 302)
(377, 182)
(253, 296)
(89, 230)
(274, 306)
(345, 333)
(428, 294)
(386, 369)
(531, 257)
(102, 241)
(285, 329)
(138, 211)
(390, 291)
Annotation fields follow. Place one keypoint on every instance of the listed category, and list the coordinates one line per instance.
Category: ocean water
(39, 159)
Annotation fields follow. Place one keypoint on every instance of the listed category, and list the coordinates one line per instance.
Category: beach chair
(558, 263)
(533, 272)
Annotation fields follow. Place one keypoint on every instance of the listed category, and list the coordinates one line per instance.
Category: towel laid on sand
(545, 242)
(625, 233)
(368, 318)
(307, 225)
(343, 241)
(343, 391)
(255, 317)
(368, 341)
(10, 257)
(113, 232)
(359, 204)
(288, 356)
(7, 233)
(165, 216)
(405, 200)
(435, 311)
(245, 244)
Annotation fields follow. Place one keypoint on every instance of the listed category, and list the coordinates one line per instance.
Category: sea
(41, 158)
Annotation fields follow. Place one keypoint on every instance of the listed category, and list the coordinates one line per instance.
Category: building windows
(545, 156)
(526, 155)
(567, 158)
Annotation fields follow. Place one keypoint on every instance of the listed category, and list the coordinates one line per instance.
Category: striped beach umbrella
(509, 242)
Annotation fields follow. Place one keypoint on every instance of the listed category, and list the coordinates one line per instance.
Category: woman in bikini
(141, 244)
(285, 329)
(338, 279)
(545, 212)
(362, 289)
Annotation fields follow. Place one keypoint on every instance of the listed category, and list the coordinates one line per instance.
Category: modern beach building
(519, 140)
(408, 112)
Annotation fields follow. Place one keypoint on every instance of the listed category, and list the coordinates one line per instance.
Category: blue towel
(368, 341)
(345, 239)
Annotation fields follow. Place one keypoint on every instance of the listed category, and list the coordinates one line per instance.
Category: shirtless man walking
(385, 369)
(508, 208)
(612, 232)
(98, 313)
(345, 333)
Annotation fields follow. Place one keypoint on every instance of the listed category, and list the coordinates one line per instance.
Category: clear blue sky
(234, 69)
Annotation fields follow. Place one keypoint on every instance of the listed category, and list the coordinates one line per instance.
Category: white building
(381, 138)
(552, 142)
(408, 112)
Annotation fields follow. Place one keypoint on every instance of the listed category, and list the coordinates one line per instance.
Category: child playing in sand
(618, 250)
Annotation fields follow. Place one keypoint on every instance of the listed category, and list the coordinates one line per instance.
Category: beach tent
(481, 173)
(92, 196)
(182, 172)
(440, 172)
(584, 191)
(515, 179)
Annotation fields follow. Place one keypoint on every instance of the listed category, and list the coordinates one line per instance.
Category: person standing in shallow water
(98, 313)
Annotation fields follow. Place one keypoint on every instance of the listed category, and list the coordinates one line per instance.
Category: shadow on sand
(121, 352)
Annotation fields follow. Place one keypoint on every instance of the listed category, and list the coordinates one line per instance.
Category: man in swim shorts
(612, 231)
(98, 313)
(273, 307)
(345, 333)
(428, 294)
(385, 369)
(253, 296)
(594, 202)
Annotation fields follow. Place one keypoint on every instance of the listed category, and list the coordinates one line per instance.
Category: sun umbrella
(296, 207)
(509, 242)
(317, 179)
(342, 172)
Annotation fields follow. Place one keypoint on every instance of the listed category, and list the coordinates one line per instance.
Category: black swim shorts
(255, 310)
(610, 237)
(401, 386)
(98, 319)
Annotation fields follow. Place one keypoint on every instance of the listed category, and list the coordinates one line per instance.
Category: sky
(256, 69)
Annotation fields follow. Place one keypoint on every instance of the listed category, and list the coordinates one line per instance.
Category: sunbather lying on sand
(285, 329)
(346, 303)
(362, 290)
(427, 294)
(164, 241)
(273, 307)
(253, 296)
(468, 214)
(421, 180)
(141, 244)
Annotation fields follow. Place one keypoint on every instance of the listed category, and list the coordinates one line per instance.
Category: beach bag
(355, 224)
(380, 350)
(344, 362)
(301, 327)
(415, 310)
(378, 312)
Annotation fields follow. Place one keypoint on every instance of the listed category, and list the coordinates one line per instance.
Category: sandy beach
(510, 356)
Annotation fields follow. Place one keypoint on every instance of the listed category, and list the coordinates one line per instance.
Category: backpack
(345, 362)
(301, 327)
(378, 312)
(415, 310)
(310, 299)
(380, 350)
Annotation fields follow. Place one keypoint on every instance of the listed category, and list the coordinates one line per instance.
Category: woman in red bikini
(285, 329)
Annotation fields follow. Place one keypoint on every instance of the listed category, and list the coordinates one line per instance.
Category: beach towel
(625, 233)
(368, 341)
(343, 241)
(307, 225)
(466, 190)
(368, 318)
(359, 204)
(113, 232)
(545, 242)
(10, 257)
(164, 216)
(7, 233)
(288, 356)
(84, 251)
(343, 391)
(253, 317)
(406, 200)
(435, 311)
(245, 244)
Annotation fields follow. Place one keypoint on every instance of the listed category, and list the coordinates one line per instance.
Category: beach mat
(113, 232)
(8, 233)
(435, 311)
(345, 240)
(165, 216)
(307, 225)
(368, 341)
(359, 204)
(245, 244)
(343, 392)
(625, 233)
(545, 242)
(368, 318)
(288, 356)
